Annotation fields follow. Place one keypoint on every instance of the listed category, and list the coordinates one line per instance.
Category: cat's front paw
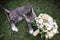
(31, 31)
(15, 29)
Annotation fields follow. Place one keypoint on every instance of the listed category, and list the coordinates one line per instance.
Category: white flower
(56, 26)
(50, 35)
(41, 21)
(41, 26)
(50, 25)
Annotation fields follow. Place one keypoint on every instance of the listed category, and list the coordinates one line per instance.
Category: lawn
(39, 6)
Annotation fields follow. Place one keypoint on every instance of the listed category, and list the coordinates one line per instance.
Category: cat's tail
(3, 8)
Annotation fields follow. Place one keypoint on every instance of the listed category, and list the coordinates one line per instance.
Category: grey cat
(24, 12)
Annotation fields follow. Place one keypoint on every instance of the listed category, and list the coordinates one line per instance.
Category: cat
(16, 15)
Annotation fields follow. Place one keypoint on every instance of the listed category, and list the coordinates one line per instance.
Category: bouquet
(46, 25)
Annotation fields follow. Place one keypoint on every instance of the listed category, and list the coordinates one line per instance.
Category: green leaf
(34, 23)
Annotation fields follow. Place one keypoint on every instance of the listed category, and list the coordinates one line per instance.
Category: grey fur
(24, 12)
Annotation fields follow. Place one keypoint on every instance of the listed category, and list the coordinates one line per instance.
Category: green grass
(40, 6)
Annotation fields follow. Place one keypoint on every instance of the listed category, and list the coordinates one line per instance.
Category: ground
(39, 6)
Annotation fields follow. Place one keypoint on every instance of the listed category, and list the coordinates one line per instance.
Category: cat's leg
(29, 24)
(14, 28)
(30, 21)
(34, 14)
(30, 28)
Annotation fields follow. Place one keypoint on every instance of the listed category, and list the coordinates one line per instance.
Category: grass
(40, 6)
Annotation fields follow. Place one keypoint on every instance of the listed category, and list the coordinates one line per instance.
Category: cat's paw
(31, 31)
(15, 29)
